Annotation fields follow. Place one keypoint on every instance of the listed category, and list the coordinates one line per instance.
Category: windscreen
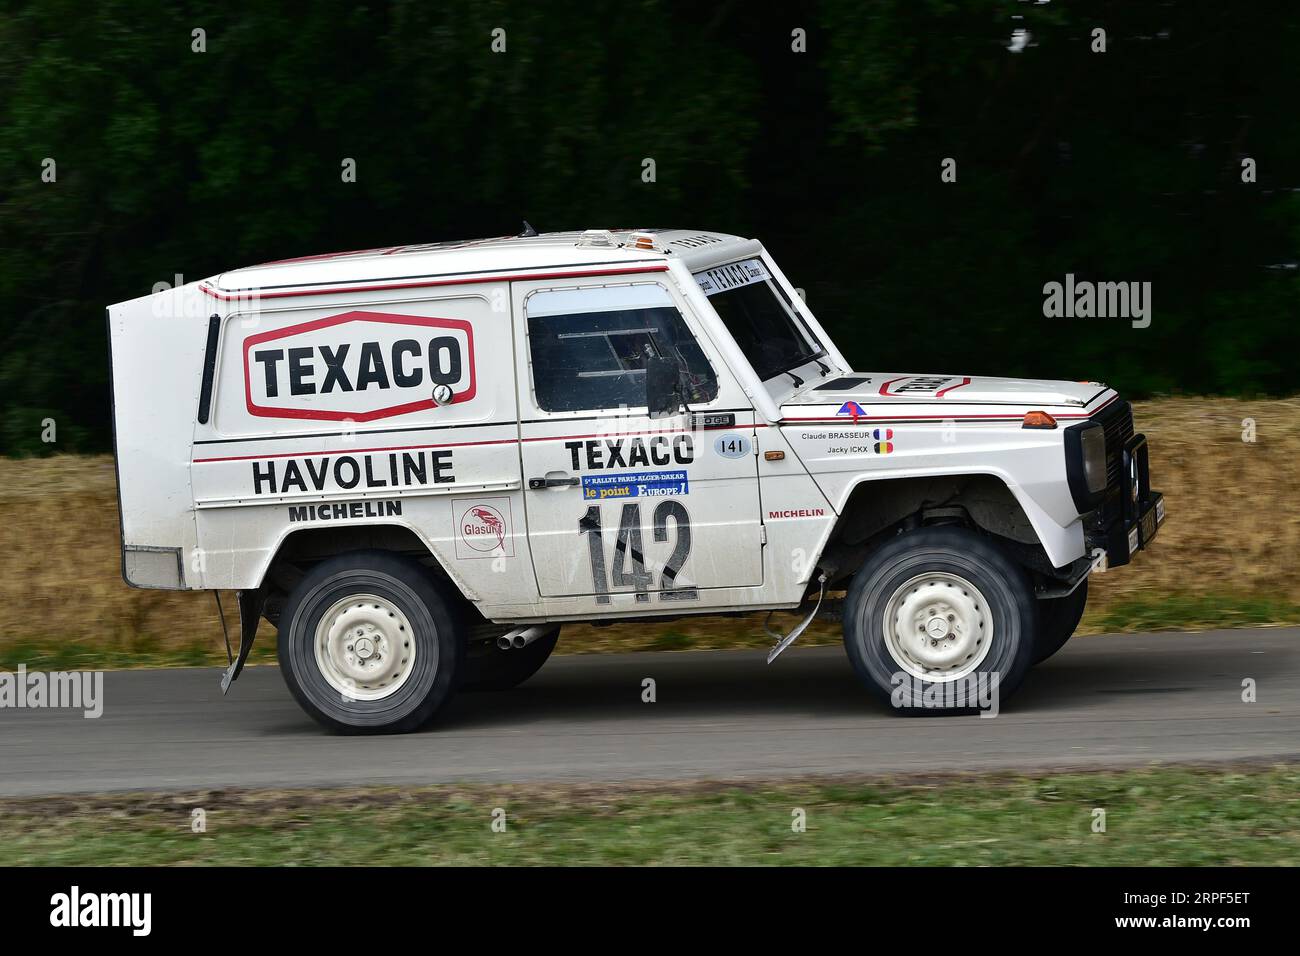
(763, 321)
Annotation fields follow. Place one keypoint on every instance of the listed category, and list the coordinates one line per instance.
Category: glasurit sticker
(732, 276)
(483, 528)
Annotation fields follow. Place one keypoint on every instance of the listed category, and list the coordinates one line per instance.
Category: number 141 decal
(629, 556)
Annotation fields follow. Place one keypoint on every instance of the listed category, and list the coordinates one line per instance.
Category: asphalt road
(1102, 702)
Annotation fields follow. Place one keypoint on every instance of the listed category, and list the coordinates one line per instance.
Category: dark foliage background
(1117, 166)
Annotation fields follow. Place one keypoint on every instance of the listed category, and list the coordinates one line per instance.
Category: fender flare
(1063, 544)
(447, 567)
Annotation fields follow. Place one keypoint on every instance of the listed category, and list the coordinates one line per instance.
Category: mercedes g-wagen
(419, 462)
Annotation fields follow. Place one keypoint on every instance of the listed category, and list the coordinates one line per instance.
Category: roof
(504, 254)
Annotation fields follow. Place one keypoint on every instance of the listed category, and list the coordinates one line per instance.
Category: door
(621, 508)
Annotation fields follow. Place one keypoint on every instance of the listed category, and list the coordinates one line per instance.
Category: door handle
(536, 484)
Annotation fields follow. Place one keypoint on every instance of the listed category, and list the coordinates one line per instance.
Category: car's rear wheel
(1057, 620)
(488, 668)
(368, 645)
(932, 614)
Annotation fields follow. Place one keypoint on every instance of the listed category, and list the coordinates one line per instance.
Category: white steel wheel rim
(365, 647)
(938, 627)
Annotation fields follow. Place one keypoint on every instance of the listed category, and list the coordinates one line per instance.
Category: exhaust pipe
(520, 637)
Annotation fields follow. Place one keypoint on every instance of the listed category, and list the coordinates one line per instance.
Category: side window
(589, 347)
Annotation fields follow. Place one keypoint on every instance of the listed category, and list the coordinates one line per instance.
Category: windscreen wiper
(798, 382)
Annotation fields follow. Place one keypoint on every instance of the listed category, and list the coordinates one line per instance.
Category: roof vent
(694, 242)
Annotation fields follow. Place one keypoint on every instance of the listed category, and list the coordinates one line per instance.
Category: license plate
(1149, 524)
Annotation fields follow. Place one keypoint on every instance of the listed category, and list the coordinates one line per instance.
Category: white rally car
(419, 462)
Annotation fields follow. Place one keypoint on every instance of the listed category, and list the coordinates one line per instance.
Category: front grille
(1117, 422)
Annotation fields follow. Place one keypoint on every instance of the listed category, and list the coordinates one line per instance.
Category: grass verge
(1155, 816)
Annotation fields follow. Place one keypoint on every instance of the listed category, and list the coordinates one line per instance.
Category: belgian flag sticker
(884, 440)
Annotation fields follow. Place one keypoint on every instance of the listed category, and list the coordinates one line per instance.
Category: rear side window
(589, 347)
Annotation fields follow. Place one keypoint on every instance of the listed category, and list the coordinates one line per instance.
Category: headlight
(1085, 464)
(1092, 445)
(1134, 480)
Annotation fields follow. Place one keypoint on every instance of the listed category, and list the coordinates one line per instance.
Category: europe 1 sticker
(484, 528)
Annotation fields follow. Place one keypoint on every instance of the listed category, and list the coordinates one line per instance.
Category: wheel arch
(875, 507)
(299, 548)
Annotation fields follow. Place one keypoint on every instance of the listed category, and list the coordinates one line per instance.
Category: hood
(894, 388)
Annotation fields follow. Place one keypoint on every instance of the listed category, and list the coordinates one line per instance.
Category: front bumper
(1129, 521)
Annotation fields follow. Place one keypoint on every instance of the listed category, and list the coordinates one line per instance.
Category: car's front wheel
(368, 645)
(939, 619)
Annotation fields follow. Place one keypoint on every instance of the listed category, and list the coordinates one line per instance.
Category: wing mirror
(664, 391)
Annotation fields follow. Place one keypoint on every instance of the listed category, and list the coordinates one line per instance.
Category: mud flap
(251, 604)
(784, 642)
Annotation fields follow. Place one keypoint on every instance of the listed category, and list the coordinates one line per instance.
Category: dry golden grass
(1234, 505)
(1233, 530)
(60, 565)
